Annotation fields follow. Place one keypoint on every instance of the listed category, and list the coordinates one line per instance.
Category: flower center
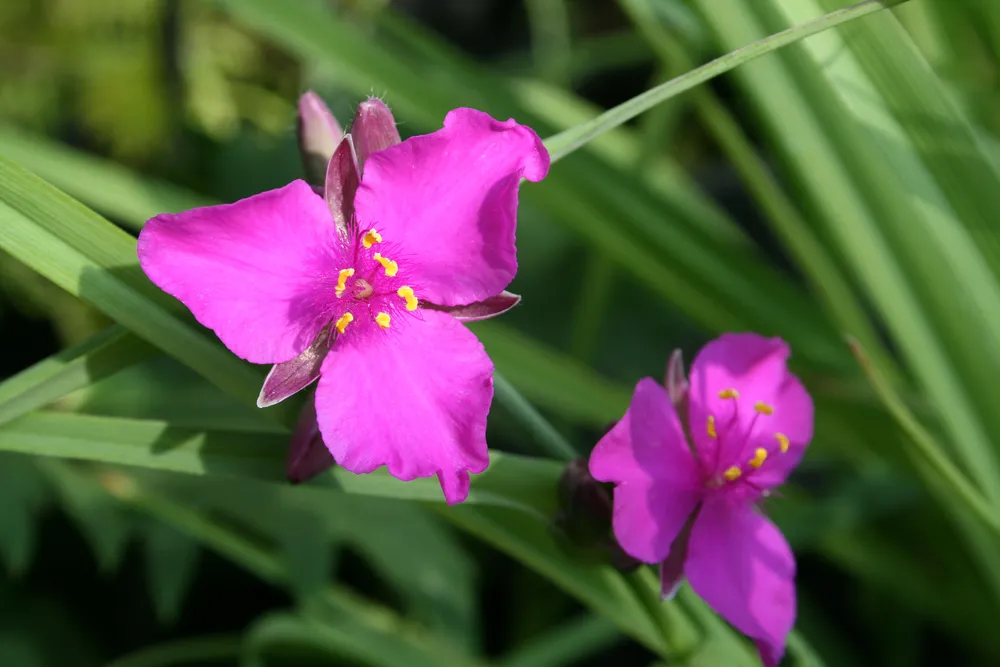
(732, 437)
(370, 288)
(362, 289)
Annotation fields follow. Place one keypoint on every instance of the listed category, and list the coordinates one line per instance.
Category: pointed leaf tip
(342, 179)
(293, 376)
(481, 310)
(374, 129)
(319, 133)
(676, 381)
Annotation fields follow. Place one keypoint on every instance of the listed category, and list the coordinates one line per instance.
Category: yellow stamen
(407, 293)
(390, 266)
(370, 238)
(710, 427)
(782, 442)
(763, 408)
(383, 320)
(729, 393)
(759, 456)
(342, 281)
(344, 320)
(733, 473)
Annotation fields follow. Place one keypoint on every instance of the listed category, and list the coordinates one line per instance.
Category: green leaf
(219, 649)
(574, 138)
(103, 523)
(511, 480)
(22, 492)
(171, 564)
(90, 258)
(107, 187)
(343, 638)
(565, 644)
(102, 355)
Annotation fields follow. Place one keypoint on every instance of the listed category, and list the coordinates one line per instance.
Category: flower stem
(680, 635)
(546, 437)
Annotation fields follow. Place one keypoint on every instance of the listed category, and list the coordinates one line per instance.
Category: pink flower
(379, 280)
(693, 508)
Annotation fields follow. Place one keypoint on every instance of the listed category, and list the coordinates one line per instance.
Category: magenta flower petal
(414, 398)
(793, 418)
(752, 366)
(250, 271)
(741, 565)
(450, 199)
(657, 478)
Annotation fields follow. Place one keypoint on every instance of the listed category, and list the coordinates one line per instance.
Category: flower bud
(307, 455)
(373, 129)
(319, 134)
(583, 524)
(676, 382)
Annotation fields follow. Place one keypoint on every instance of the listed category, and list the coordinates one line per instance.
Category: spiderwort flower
(693, 508)
(380, 275)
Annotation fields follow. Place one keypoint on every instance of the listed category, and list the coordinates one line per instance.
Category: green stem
(551, 43)
(564, 143)
(591, 305)
(680, 635)
(185, 651)
(546, 437)
(927, 450)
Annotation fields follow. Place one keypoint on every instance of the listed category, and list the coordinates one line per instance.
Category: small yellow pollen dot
(759, 456)
(732, 473)
(344, 320)
(383, 320)
(710, 427)
(782, 442)
(407, 293)
(729, 393)
(390, 266)
(763, 408)
(370, 238)
(342, 281)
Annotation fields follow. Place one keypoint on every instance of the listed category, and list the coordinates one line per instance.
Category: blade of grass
(102, 355)
(94, 260)
(570, 140)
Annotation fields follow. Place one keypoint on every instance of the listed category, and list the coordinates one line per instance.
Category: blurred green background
(841, 187)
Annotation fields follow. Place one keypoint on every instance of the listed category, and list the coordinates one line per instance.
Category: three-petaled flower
(375, 273)
(692, 509)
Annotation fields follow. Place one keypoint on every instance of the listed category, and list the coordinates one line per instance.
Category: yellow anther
(390, 266)
(763, 408)
(759, 456)
(344, 320)
(733, 473)
(383, 320)
(370, 238)
(729, 393)
(407, 293)
(342, 281)
(710, 427)
(782, 442)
